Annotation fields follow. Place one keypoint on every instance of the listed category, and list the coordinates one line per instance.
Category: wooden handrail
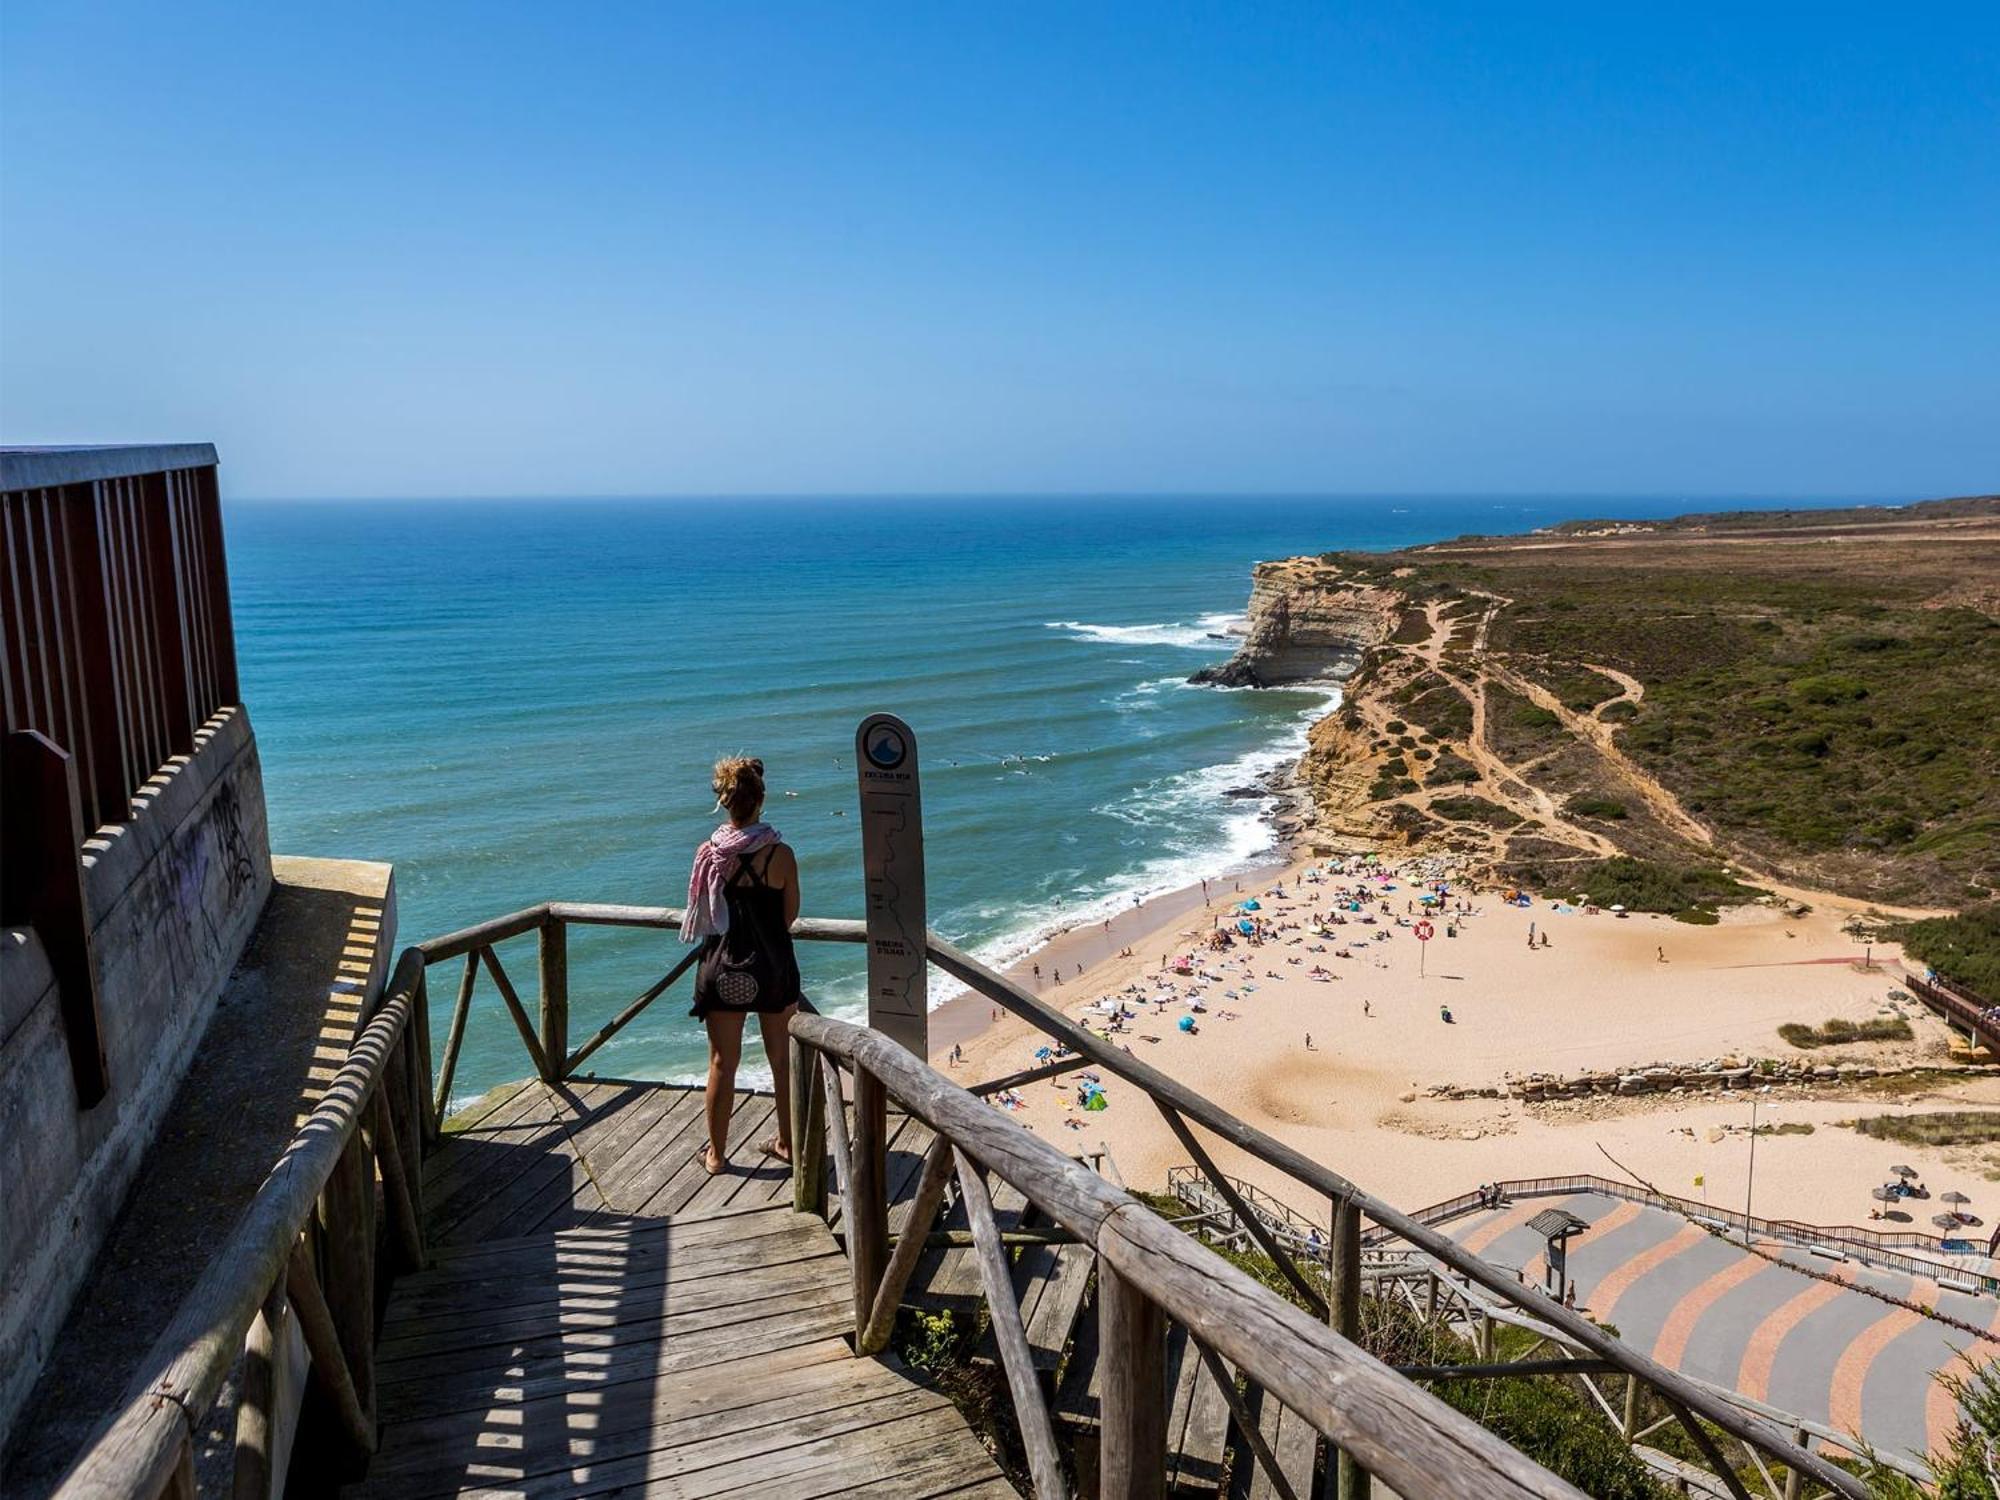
(185, 1369)
(1181, 1105)
(1253, 1142)
(1394, 1428)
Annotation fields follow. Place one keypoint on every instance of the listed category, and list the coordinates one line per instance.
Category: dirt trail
(1594, 732)
(1498, 781)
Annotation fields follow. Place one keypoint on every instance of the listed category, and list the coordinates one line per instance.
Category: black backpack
(737, 969)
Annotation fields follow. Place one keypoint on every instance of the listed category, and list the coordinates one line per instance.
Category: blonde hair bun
(739, 785)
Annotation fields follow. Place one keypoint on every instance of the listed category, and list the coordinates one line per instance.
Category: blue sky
(617, 249)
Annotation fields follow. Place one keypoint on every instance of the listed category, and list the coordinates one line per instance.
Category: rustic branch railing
(1149, 1271)
(1182, 1107)
(304, 1247)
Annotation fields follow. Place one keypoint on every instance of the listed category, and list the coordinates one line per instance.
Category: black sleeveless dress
(752, 966)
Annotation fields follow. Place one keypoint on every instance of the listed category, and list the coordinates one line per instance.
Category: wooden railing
(544, 1035)
(1958, 1006)
(1148, 1271)
(115, 603)
(1879, 1248)
(304, 1250)
(1391, 1272)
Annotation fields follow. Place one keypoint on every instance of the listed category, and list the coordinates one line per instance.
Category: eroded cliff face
(1307, 623)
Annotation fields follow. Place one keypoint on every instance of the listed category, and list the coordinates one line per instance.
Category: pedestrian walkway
(1816, 1345)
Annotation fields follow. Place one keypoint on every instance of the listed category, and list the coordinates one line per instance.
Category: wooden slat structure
(595, 1312)
(695, 1354)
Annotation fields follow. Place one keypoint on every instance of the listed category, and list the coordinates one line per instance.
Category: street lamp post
(1751, 1182)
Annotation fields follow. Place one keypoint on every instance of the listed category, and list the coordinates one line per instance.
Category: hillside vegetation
(1814, 697)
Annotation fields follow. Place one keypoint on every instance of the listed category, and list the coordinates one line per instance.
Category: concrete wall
(173, 894)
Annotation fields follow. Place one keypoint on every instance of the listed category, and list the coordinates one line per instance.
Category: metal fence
(114, 603)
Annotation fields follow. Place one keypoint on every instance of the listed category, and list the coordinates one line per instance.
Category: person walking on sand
(743, 896)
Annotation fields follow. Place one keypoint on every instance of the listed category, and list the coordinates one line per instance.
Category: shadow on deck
(602, 1315)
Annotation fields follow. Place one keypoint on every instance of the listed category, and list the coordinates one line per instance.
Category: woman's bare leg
(777, 1047)
(725, 1047)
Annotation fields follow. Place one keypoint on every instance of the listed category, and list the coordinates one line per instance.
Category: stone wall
(173, 893)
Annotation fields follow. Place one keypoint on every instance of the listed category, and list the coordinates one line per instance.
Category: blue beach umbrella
(1251, 905)
(1246, 928)
(1187, 1023)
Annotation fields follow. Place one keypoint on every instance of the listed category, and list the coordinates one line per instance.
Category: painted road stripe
(1940, 1406)
(1614, 1284)
(1671, 1345)
(1753, 1376)
(1844, 1400)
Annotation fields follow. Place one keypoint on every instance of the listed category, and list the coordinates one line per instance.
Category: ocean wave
(1201, 634)
(1214, 835)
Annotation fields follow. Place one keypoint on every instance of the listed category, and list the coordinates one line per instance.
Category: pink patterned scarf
(714, 862)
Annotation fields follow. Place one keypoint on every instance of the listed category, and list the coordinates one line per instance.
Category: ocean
(517, 701)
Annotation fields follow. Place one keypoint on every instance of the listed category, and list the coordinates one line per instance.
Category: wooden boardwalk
(601, 1316)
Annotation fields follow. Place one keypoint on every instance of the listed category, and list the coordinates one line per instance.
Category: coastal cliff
(1807, 699)
(1307, 622)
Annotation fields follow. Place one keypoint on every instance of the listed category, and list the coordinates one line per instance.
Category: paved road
(1823, 1350)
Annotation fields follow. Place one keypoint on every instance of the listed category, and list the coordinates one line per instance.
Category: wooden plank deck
(601, 1316)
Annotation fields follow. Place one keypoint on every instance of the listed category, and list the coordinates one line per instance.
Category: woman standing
(743, 896)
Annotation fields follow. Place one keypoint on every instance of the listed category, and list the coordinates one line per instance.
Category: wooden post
(808, 1131)
(257, 1414)
(349, 1266)
(555, 993)
(1486, 1335)
(330, 1372)
(1629, 1424)
(1132, 1379)
(868, 1234)
(406, 1223)
(43, 889)
(454, 1039)
(420, 1067)
(1350, 1479)
(1793, 1478)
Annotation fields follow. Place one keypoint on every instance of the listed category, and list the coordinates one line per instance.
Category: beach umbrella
(1618, 908)
(1187, 1023)
(1885, 1195)
(1945, 1221)
(1247, 928)
(1904, 1171)
(1955, 1196)
(1252, 905)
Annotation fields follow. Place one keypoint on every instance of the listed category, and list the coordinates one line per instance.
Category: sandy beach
(1606, 992)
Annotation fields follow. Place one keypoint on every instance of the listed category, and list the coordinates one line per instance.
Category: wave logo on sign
(885, 747)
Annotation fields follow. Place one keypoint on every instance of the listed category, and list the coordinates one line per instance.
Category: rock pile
(1671, 1078)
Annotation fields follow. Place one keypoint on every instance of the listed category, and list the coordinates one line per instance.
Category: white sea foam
(1217, 835)
(1201, 634)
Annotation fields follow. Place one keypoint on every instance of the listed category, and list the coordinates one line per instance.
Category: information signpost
(892, 865)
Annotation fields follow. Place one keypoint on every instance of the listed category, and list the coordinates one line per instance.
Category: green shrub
(1452, 770)
(1647, 885)
(1475, 810)
(1833, 687)
(1965, 947)
(1594, 807)
(1838, 1031)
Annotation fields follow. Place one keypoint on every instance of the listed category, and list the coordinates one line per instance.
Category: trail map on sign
(892, 865)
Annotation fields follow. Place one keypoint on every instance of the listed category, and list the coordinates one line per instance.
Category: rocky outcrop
(1307, 623)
